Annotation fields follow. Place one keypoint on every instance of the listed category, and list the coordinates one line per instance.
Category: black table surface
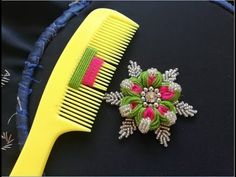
(196, 37)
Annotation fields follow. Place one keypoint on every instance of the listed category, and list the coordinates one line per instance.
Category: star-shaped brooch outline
(149, 101)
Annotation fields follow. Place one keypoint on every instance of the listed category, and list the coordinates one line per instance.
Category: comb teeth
(104, 76)
(108, 44)
(81, 106)
(112, 39)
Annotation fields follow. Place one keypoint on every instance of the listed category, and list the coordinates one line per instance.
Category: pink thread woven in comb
(92, 71)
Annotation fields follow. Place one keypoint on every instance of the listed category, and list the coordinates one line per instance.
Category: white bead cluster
(126, 84)
(152, 71)
(175, 87)
(171, 116)
(144, 125)
(125, 110)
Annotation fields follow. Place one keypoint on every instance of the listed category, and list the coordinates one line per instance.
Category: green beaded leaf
(164, 120)
(169, 105)
(129, 99)
(158, 81)
(135, 111)
(165, 83)
(175, 97)
(136, 80)
(128, 92)
(139, 116)
(156, 122)
(144, 78)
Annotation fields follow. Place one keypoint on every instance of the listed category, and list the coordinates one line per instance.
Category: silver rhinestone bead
(142, 93)
(151, 88)
(158, 100)
(145, 104)
(150, 97)
(155, 104)
(158, 95)
(145, 89)
(143, 98)
(156, 90)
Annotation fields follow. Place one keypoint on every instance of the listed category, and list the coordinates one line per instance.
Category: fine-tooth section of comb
(74, 91)
(111, 41)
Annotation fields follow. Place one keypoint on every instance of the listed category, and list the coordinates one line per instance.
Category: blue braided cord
(223, 3)
(32, 63)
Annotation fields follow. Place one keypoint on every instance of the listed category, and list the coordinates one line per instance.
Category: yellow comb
(71, 98)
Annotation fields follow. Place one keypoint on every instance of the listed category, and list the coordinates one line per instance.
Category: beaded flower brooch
(149, 100)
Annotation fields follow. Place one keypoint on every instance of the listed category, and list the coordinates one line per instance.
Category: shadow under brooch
(149, 101)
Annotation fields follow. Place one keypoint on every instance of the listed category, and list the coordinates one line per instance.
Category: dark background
(196, 37)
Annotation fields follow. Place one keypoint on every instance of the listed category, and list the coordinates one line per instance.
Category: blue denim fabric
(224, 4)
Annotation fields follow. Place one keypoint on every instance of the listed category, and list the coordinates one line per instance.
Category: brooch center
(150, 97)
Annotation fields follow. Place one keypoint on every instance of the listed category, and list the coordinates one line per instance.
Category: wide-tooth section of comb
(81, 105)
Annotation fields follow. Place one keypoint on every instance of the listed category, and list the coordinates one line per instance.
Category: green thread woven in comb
(81, 68)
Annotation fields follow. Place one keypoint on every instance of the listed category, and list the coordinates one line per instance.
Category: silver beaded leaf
(163, 134)
(127, 128)
(134, 69)
(170, 75)
(185, 109)
(8, 141)
(5, 77)
(113, 98)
